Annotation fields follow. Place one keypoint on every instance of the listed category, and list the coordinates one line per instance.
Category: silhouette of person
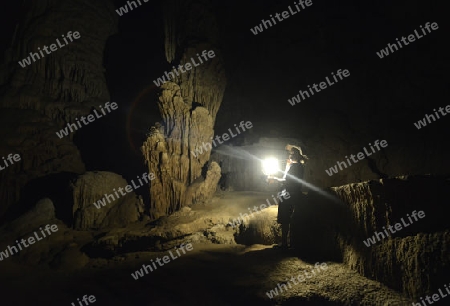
(292, 184)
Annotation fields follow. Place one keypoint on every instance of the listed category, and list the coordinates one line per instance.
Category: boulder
(92, 187)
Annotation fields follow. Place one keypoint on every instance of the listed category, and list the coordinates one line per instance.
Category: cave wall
(381, 99)
(329, 141)
(38, 100)
(188, 104)
(335, 135)
(65, 82)
(414, 260)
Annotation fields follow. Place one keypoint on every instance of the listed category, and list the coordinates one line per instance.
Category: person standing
(292, 184)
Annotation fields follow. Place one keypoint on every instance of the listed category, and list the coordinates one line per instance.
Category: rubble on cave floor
(217, 269)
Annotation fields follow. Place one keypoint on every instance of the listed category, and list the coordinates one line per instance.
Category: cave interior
(135, 135)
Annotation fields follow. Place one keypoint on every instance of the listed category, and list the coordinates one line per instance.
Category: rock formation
(415, 259)
(38, 99)
(118, 211)
(56, 250)
(188, 105)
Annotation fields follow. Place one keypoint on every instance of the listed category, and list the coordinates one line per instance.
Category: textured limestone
(179, 180)
(167, 232)
(91, 187)
(32, 136)
(415, 259)
(260, 228)
(56, 250)
(200, 192)
(187, 22)
(68, 77)
(188, 105)
(36, 101)
(42, 213)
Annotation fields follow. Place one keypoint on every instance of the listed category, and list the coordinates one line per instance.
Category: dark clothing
(285, 208)
(292, 185)
(284, 234)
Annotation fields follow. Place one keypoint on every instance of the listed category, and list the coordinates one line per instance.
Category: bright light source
(270, 166)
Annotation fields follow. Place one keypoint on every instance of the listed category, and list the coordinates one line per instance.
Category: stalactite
(171, 13)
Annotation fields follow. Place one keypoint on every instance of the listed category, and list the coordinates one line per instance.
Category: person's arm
(282, 179)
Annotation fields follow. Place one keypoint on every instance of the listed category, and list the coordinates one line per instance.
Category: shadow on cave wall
(322, 227)
(112, 143)
(319, 226)
(55, 187)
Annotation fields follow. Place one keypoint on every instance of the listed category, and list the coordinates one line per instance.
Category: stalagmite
(188, 105)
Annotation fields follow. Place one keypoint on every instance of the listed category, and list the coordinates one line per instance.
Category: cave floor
(210, 274)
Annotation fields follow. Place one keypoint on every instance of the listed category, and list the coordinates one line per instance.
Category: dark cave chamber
(102, 246)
